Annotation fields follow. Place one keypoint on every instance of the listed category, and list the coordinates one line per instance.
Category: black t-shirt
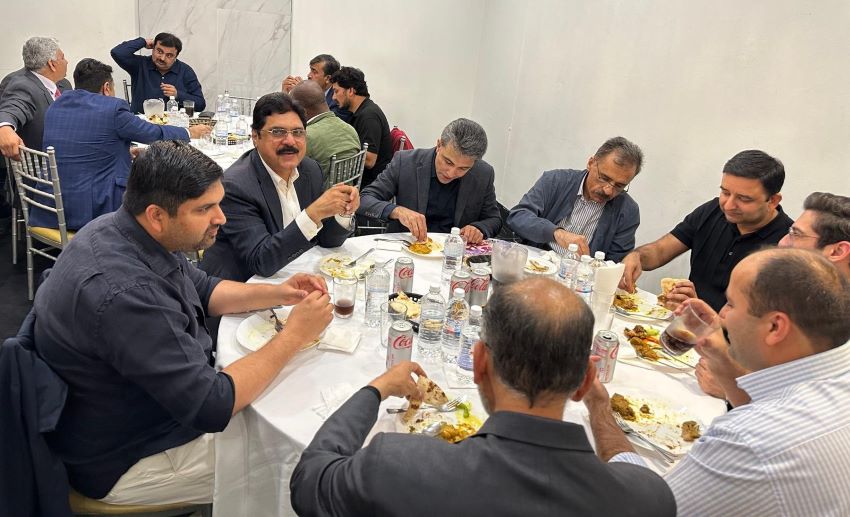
(373, 129)
(442, 200)
(717, 246)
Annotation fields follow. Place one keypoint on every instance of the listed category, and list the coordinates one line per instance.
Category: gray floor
(13, 286)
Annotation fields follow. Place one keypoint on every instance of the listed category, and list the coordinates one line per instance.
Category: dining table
(258, 451)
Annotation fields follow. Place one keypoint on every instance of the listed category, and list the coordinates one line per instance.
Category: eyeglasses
(280, 133)
(616, 187)
(794, 233)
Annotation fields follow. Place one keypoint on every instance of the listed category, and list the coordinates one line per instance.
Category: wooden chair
(39, 169)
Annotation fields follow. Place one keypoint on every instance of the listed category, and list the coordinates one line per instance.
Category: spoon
(433, 429)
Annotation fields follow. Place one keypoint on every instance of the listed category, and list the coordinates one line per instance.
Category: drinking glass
(390, 312)
(345, 292)
(190, 108)
(683, 332)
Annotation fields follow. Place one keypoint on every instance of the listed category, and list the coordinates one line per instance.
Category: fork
(354, 261)
(445, 408)
(668, 456)
(402, 241)
(278, 325)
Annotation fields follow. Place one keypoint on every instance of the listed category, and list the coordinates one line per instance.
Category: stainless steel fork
(445, 408)
(668, 456)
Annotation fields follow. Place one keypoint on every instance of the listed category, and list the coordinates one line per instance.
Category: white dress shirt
(786, 453)
(51, 87)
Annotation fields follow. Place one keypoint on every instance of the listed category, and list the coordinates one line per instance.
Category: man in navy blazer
(439, 188)
(274, 203)
(91, 132)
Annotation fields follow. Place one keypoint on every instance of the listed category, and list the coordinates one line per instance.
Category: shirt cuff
(308, 228)
(188, 133)
(346, 221)
(8, 124)
(629, 457)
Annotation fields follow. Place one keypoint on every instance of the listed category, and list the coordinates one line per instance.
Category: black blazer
(254, 241)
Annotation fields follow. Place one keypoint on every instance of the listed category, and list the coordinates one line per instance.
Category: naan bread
(431, 394)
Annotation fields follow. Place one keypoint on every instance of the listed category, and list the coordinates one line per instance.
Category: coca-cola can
(479, 286)
(460, 280)
(399, 343)
(605, 346)
(403, 275)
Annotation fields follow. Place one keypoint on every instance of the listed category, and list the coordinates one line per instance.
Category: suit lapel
(302, 190)
(423, 183)
(268, 189)
(43, 89)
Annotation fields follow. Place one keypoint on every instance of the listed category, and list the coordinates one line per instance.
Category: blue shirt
(146, 79)
(121, 320)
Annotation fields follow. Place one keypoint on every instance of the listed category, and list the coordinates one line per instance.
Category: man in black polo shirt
(721, 232)
(351, 93)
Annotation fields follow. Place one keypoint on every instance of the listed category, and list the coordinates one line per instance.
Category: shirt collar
(50, 85)
(321, 116)
(160, 260)
(824, 365)
(536, 430)
(765, 231)
(279, 182)
(174, 67)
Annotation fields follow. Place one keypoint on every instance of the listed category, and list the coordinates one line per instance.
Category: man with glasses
(720, 232)
(589, 208)
(274, 203)
(160, 75)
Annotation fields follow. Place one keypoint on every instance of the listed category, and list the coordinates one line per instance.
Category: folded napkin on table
(340, 340)
(388, 246)
(332, 398)
(607, 278)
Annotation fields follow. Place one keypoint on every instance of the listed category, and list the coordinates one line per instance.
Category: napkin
(340, 340)
(552, 257)
(332, 398)
(607, 278)
(388, 246)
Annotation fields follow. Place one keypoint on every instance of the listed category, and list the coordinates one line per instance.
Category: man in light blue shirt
(785, 452)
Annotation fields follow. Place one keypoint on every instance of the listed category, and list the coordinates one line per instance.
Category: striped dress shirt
(582, 220)
(786, 453)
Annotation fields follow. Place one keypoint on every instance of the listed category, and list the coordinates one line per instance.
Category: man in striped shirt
(785, 452)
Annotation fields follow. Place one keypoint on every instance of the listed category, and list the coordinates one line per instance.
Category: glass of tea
(345, 292)
(190, 108)
(683, 332)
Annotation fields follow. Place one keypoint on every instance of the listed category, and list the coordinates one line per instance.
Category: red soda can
(460, 280)
(479, 286)
(605, 345)
(399, 343)
(403, 275)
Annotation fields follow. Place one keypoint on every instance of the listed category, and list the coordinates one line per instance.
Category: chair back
(39, 169)
(347, 170)
(246, 104)
(400, 140)
(127, 87)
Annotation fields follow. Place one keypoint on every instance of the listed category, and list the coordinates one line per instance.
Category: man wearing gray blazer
(439, 188)
(525, 460)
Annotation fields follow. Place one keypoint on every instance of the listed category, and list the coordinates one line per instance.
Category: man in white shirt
(274, 203)
(785, 452)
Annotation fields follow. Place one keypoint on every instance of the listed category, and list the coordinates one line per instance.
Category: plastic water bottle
(181, 119)
(469, 337)
(598, 260)
(377, 292)
(220, 108)
(569, 262)
(583, 281)
(431, 322)
(457, 314)
(452, 254)
(242, 131)
(171, 105)
(221, 130)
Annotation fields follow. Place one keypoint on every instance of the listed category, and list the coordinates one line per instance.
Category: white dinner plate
(663, 424)
(647, 306)
(257, 329)
(332, 266)
(436, 249)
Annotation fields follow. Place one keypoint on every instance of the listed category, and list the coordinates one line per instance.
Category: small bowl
(477, 260)
(416, 298)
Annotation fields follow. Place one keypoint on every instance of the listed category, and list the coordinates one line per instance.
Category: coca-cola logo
(405, 272)
(479, 284)
(460, 284)
(402, 342)
(613, 352)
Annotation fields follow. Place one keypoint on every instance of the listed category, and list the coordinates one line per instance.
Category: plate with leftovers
(539, 266)
(640, 304)
(644, 340)
(334, 266)
(258, 329)
(658, 420)
(429, 248)
(456, 425)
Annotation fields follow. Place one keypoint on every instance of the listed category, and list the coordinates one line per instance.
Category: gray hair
(466, 136)
(628, 153)
(37, 51)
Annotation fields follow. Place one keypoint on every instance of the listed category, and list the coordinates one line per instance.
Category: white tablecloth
(257, 452)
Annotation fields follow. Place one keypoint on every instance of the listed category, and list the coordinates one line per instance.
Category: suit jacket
(23, 102)
(254, 240)
(91, 134)
(408, 179)
(515, 465)
(552, 198)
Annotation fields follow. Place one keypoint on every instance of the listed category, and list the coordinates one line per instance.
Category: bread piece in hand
(431, 394)
(667, 285)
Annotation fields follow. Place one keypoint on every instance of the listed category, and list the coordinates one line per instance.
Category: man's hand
(597, 396)
(338, 199)
(199, 131)
(683, 290)
(290, 82)
(135, 152)
(632, 271)
(398, 382)
(308, 318)
(471, 234)
(299, 285)
(706, 381)
(565, 238)
(149, 43)
(168, 90)
(9, 143)
(413, 221)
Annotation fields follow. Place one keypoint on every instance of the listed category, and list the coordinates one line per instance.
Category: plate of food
(540, 266)
(644, 340)
(454, 425)
(411, 303)
(334, 266)
(429, 248)
(641, 305)
(258, 329)
(663, 423)
(158, 119)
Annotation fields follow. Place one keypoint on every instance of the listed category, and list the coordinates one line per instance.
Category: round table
(257, 452)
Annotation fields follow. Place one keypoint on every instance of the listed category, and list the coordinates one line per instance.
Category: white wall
(85, 28)
(420, 58)
(691, 82)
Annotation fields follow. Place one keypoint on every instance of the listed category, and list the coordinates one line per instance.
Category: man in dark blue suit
(91, 132)
(322, 67)
(274, 203)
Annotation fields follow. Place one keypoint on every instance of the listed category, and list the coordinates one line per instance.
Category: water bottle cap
(455, 231)
(573, 247)
(475, 310)
(586, 258)
(434, 288)
(600, 255)
(459, 293)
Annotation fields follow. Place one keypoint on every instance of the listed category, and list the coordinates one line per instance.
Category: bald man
(327, 135)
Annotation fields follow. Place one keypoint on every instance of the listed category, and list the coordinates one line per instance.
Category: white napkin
(332, 398)
(340, 340)
(607, 278)
(552, 257)
(388, 246)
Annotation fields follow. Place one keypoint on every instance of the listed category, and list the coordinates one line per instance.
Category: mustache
(286, 149)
